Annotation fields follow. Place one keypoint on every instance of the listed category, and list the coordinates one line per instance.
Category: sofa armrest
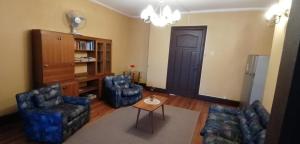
(76, 100)
(44, 125)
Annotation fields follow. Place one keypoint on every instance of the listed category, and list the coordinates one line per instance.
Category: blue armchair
(120, 91)
(50, 117)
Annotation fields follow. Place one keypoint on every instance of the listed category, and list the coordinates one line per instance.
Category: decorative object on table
(120, 91)
(143, 105)
(164, 17)
(151, 97)
(151, 101)
(76, 21)
(50, 117)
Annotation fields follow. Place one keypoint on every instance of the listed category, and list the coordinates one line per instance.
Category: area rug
(119, 128)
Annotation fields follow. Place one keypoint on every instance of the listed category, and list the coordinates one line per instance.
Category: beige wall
(138, 43)
(275, 59)
(231, 37)
(19, 16)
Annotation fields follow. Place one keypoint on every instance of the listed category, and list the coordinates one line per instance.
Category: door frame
(173, 28)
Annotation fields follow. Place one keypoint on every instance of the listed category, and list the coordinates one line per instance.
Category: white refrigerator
(254, 79)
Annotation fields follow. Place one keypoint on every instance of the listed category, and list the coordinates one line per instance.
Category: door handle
(46, 65)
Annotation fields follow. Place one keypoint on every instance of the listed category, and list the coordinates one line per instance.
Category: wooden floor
(13, 134)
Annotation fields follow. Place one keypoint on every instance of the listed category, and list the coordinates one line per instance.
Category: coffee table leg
(137, 118)
(152, 122)
(163, 111)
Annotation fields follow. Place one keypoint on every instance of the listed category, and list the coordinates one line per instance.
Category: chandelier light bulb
(176, 15)
(164, 17)
(167, 11)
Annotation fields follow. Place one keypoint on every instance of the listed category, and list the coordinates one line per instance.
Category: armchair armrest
(76, 100)
(113, 95)
(45, 125)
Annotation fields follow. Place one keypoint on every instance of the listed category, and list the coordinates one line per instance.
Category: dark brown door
(185, 60)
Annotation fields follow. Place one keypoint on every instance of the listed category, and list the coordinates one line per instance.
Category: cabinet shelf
(84, 51)
(87, 89)
(85, 62)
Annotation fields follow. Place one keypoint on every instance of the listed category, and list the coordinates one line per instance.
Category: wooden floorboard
(13, 133)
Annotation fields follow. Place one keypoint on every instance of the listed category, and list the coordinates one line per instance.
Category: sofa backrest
(44, 97)
(117, 80)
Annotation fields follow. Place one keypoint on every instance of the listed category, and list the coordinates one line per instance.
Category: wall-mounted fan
(76, 21)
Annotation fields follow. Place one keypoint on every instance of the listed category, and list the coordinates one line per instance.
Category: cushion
(69, 111)
(250, 113)
(213, 139)
(48, 96)
(228, 130)
(121, 84)
(255, 126)
(127, 92)
(260, 137)
(223, 117)
(223, 109)
(246, 133)
(262, 113)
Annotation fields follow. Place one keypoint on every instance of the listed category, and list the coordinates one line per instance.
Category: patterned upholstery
(230, 125)
(119, 91)
(212, 139)
(49, 117)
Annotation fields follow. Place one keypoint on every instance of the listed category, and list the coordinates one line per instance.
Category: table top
(148, 107)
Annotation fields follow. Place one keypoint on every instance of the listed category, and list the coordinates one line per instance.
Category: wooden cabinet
(70, 88)
(53, 57)
(56, 56)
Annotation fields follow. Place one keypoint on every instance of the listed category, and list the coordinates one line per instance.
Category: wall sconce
(277, 11)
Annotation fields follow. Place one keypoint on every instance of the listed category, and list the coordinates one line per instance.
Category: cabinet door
(51, 51)
(67, 47)
(70, 88)
(58, 57)
(108, 57)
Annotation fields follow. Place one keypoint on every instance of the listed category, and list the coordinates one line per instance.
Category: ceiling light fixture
(277, 11)
(164, 17)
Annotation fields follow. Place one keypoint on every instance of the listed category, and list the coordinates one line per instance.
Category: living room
(177, 74)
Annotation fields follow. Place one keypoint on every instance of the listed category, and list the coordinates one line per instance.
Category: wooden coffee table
(141, 105)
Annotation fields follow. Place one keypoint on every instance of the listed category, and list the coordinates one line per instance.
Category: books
(85, 59)
(85, 45)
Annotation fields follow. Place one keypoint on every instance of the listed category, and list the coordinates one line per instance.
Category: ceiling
(133, 8)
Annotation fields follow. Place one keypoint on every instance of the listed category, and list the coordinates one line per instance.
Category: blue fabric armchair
(50, 117)
(120, 91)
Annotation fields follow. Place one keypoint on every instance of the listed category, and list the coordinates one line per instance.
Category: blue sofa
(120, 91)
(226, 125)
(50, 117)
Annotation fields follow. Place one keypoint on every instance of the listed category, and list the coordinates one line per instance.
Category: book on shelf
(85, 45)
(85, 59)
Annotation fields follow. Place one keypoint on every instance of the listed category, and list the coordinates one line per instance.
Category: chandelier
(164, 17)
